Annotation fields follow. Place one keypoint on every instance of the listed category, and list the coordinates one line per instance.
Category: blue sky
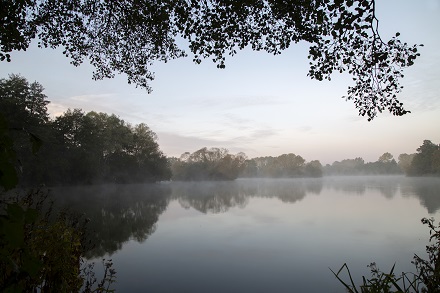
(260, 104)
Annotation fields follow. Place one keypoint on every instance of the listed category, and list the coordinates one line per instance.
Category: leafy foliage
(39, 252)
(97, 147)
(385, 164)
(405, 161)
(8, 156)
(208, 164)
(129, 36)
(429, 270)
(286, 165)
(426, 161)
(78, 148)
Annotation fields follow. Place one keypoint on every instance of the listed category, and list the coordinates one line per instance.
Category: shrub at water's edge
(41, 251)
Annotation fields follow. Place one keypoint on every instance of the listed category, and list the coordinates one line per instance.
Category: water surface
(255, 235)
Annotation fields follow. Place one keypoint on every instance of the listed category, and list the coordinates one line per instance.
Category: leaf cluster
(129, 36)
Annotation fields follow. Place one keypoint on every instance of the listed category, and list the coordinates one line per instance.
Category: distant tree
(346, 167)
(250, 169)
(208, 164)
(313, 169)
(426, 160)
(285, 165)
(128, 36)
(405, 161)
(385, 158)
(384, 165)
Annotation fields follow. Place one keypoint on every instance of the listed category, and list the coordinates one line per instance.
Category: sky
(260, 104)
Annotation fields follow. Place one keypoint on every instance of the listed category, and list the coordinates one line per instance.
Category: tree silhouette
(127, 36)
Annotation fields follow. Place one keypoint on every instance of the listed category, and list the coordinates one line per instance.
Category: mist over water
(254, 235)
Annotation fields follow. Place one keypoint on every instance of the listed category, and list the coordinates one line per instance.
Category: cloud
(305, 128)
(174, 144)
(236, 102)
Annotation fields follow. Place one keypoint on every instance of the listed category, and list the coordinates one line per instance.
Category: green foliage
(384, 165)
(78, 148)
(405, 161)
(208, 164)
(426, 280)
(8, 156)
(286, 165)
(381, 282)
(41, 252)
(429, 270)
(129, 36)
(426, 161)
(23, 119)
(97, 147)
(37, 252)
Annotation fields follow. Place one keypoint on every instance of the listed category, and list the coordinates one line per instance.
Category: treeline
(207, 164)
(85, 148)
(425, 162)
(386, 164)
(76, 147)
(283, 166)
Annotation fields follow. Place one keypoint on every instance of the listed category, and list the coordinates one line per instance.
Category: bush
(42, 252)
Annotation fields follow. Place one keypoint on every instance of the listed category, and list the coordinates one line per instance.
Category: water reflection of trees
(385, 185)
(211, 197)
(117, 213)
(219, 197)
(289, 191)
(426, 189)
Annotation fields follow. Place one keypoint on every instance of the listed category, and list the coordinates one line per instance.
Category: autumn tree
(128, 36)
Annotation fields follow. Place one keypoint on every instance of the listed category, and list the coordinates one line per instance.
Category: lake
(254, 235)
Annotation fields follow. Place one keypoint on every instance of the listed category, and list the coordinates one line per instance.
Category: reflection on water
(117, 213)
(426, 189)
(386, 185)
(218, 197)
(262, 234)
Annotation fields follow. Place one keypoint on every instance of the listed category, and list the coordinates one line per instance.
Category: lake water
(255, 235)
